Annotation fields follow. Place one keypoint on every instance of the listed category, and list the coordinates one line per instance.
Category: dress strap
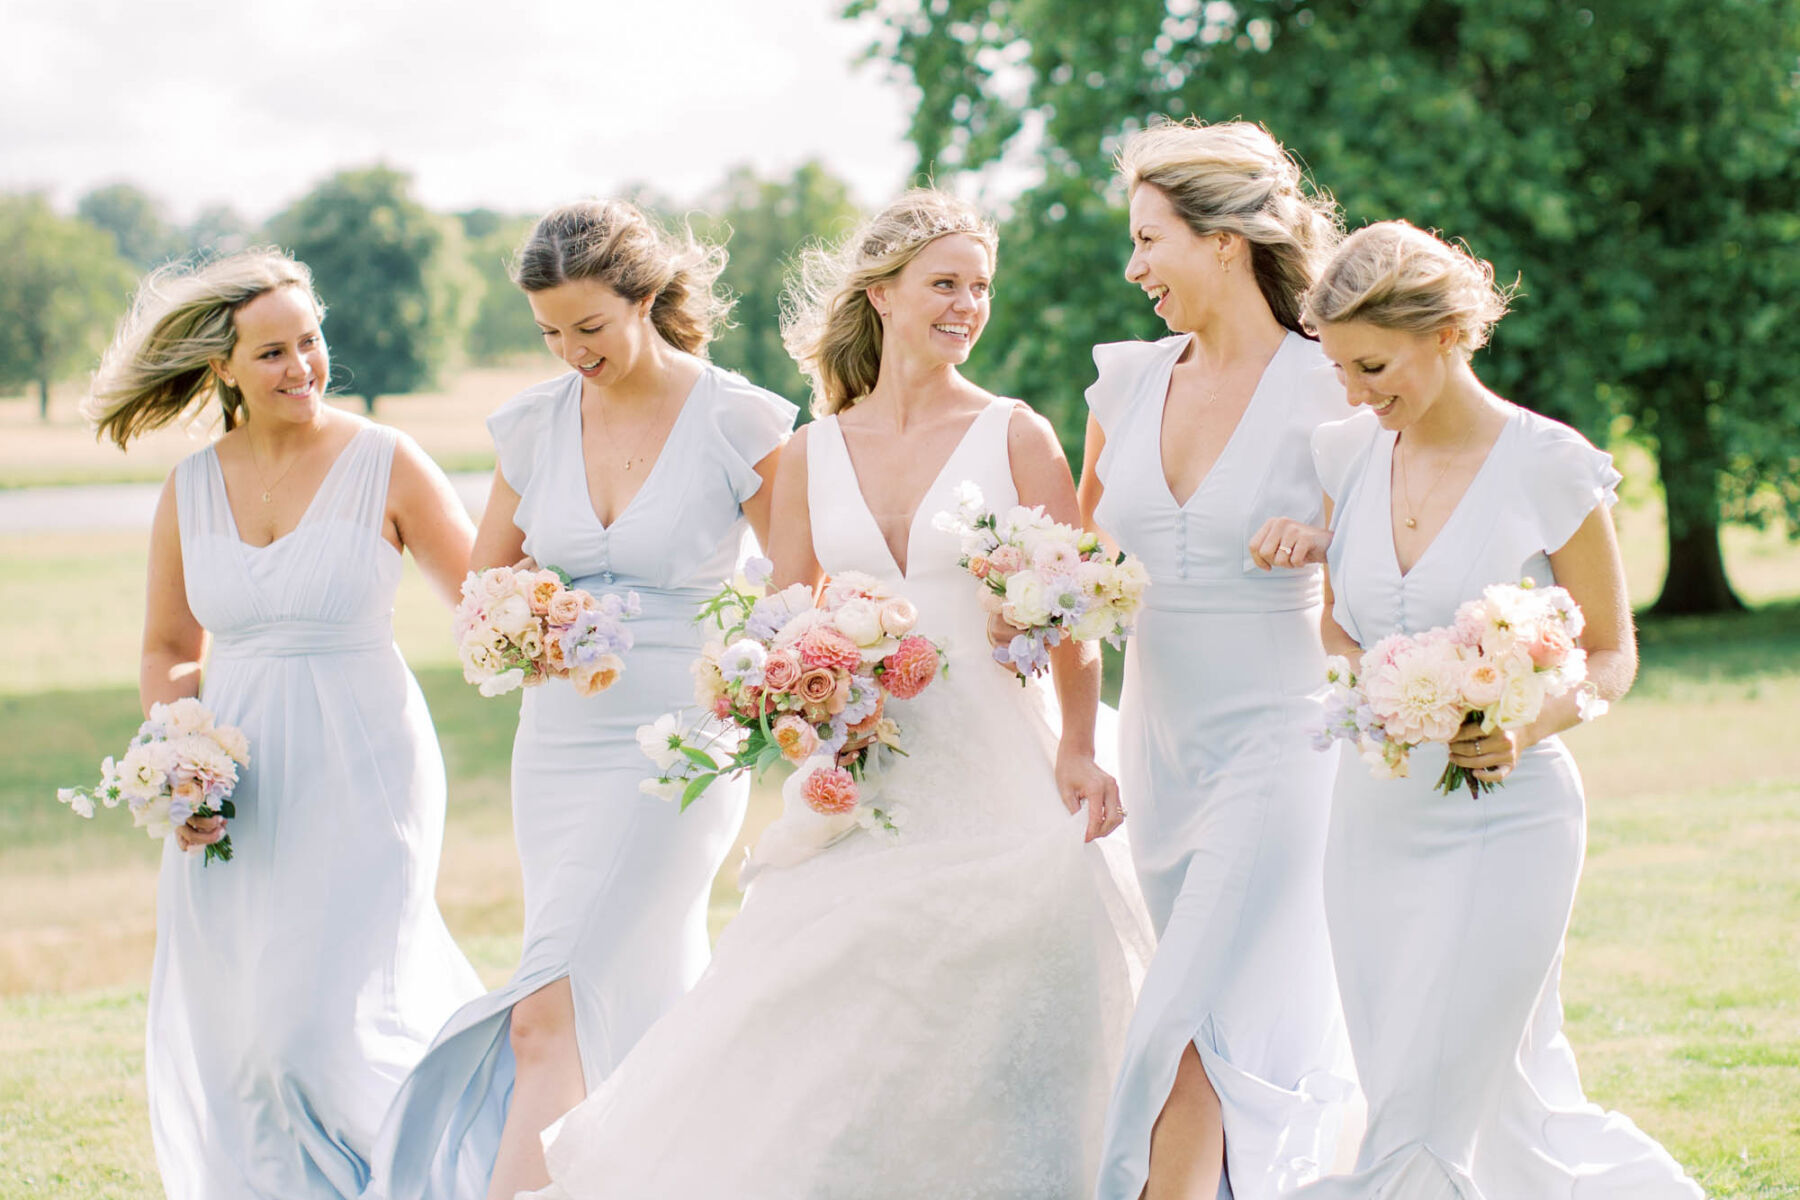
(355, 490)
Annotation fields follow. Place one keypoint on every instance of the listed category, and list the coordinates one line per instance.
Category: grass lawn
(1682, 983)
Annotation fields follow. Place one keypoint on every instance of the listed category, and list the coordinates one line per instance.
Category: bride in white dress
(938, 1012)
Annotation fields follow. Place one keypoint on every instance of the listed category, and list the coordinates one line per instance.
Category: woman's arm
(790, 522)
(1041, 477)
(499, 542)
(1589, 568)
(426, 516)
(759, 507)
(1087, 495)
(174, 642)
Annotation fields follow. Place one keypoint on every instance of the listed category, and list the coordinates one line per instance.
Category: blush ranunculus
(1549, 646)
(898, 616)
(910, 669)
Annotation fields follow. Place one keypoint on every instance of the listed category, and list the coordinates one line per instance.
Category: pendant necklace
(1412, 519)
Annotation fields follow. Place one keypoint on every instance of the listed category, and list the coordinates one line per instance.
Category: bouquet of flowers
(800, 676)
(1504, 655)
(517, 628)
(1045, 579)
(182, 763)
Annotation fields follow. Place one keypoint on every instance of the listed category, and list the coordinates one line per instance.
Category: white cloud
(514, 106)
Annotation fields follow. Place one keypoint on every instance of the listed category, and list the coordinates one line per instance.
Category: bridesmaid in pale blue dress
(634, 472)
(1235, 1070)
(1448, 913)
(295, 985)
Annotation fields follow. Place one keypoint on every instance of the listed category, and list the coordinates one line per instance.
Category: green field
(1683, 976)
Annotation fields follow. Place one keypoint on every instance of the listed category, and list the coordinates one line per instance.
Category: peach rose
(979, 566)
(542, 590)
(830, 791)
(1550, 646)
(554, 661)
(781, 671)
(817, 686)
(796, 737)
(564, 607)
(598, 675)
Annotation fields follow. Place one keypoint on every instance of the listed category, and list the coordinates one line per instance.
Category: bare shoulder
(1029, 430)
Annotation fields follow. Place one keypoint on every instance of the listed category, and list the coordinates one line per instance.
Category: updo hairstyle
(613, 243)
(1398, 276)
(1236, 178)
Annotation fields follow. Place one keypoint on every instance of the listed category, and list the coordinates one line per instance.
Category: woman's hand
(1000, 633)
(1081, 781)
(200, 831)
(1489, 757)
(1282, 542)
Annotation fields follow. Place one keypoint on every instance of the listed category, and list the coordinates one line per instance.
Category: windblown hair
(1398, 276)
(828, 323)
(182, 320)
(1236, 178)
(612, 242)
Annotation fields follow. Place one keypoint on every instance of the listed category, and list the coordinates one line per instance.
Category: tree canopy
(1634, 163)
(394, 276)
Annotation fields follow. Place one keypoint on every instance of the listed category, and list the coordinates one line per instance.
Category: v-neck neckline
(1456, 510)
(1250, 407)
(311, 503)
(662, 452)
(912, 523)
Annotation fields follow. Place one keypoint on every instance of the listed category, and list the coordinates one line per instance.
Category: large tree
(141, 231)
(502, 326)
(393, 275)
(1635, 162)
(62, 285)
(768, 221)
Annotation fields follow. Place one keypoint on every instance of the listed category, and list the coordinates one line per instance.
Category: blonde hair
(1236, 178)
(613, 243)
(828, 324)
(1398, 276)
(182, 320)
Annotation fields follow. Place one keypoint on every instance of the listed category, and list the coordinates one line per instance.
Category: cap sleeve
(748, 422)
(1120, 368)
(1338, 447)
(1571, 479)
(518, 430)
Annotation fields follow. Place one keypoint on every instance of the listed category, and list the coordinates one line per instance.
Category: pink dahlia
(830, 791)
(910, 669)
(821, 646)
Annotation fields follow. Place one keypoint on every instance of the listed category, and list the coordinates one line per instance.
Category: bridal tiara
(938, 226)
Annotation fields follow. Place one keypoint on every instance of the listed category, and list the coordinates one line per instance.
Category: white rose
(512, 616)
(1520, 702)
(1096, 623)
(497, 583)
(1027, 601)
(859, 620)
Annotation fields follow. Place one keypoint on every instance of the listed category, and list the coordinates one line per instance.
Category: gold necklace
(256, 466)
(634, 456)
(1412, 520)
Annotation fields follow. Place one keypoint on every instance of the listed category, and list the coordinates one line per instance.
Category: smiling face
(1179, 270)
(1398, 374)
(935, 309)
(279, 362)
(592, 328)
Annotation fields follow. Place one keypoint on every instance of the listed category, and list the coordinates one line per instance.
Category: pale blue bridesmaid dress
(616, 882)
(1227, 798)
(296, 985)
(1447, 913)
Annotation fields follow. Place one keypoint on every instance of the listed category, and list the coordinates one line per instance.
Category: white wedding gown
(936, 1013)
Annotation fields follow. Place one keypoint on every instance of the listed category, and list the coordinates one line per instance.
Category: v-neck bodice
(1538, 483)
(1197, 552)
(327, 585)
(683, 527)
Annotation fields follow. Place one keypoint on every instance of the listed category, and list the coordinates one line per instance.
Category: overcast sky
(509, 104)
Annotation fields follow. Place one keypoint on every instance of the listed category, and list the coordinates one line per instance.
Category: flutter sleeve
(1338, 450)
(1120, 369)
(517, 428)
(747, 423)
(1570, 477)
